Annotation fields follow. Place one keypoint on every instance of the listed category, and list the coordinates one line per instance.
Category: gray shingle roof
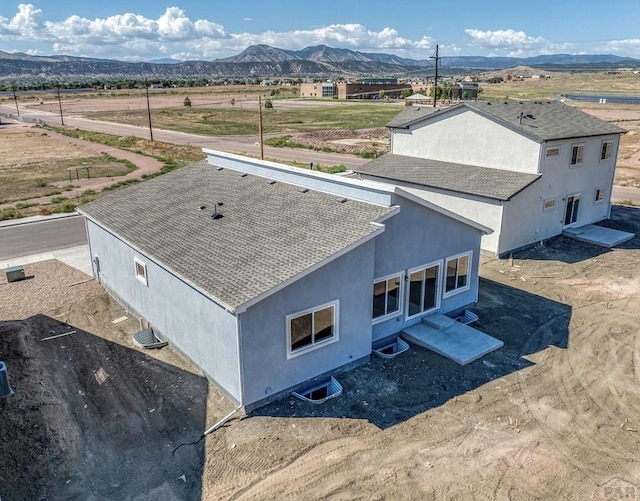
(482, 181)
(541, 120)
(269, 233)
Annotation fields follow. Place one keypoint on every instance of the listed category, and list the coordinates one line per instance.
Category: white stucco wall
(464, 136)
(525, 221)
(484, 211)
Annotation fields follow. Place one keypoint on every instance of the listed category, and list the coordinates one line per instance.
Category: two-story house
(527, 170)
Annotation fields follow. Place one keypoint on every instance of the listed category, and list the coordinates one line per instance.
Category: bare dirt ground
(627, 117)
(552, 415)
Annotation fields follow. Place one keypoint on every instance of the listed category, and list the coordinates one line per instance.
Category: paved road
(43, 236)
(625, 193)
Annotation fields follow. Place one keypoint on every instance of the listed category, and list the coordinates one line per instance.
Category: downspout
(96, 272)
(222, 421)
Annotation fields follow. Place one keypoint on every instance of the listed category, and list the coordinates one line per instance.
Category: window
(387, 297)
(552, 151)
(577, 150)
(605, 150)
(422, 295)
(549, 204)
(308, 329)
(457, 274)
(141, 271)
(599, 195)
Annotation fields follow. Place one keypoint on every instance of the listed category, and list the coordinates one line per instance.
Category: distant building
(349, 90)
(464, 90)
(370, 90)
(314, 89)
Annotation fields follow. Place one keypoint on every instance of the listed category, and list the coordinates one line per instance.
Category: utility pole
(60, 104)
(435, 80)
(146, 84)
(15, 98)
(260, 127)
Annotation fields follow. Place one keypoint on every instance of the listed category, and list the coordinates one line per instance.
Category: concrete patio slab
(77, 257)
(598, 235)
(456, 341)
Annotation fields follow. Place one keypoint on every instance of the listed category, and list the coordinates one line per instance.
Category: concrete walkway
(76, 257)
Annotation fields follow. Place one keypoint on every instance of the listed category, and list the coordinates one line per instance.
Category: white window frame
(610, 152)
(577, 164)
(314, 345)
(457, 290)
(552, 148)
(595, 198)
(438, 263)
(394, 314)
(545, 202)
(142, 278)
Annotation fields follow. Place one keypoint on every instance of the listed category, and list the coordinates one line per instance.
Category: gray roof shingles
(541, 120)
(482, 181)
(269, 233)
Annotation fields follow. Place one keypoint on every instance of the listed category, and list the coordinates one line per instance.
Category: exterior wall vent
(5, 389)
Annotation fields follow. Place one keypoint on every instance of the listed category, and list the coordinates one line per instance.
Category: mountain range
(256, 61)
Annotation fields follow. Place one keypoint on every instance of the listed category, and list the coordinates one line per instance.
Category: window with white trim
(599, 198)
(552, 151)
(141, 271)
(605, 149)
(310, 329)
(457, 270)
(387, 297)
(577, 152)
(549, 204)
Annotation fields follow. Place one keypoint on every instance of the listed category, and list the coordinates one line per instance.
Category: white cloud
(629, 47)
(134, 37)
(503, 39)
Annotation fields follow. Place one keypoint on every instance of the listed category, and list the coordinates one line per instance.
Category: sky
(146, 30)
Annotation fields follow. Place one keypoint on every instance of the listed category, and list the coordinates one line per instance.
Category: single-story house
(267, 276)
(526, 169)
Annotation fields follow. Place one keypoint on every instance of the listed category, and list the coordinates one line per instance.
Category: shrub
(57, 200)
(67, 206)
(268, 104)
(9, 213)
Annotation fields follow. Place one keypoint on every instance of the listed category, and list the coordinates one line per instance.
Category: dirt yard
(552, 415)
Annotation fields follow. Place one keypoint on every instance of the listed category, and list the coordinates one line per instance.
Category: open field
(552, 415)
(35, 180)
(561, 83)
(231, 120)
(32, 161)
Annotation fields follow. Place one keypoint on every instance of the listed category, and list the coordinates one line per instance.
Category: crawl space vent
(320, 392)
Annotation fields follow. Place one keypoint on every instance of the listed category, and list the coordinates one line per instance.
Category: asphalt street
(42, 236)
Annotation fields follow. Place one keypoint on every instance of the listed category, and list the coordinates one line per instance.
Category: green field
(228, 121)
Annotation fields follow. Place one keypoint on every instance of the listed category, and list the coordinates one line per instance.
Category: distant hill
(257, 61)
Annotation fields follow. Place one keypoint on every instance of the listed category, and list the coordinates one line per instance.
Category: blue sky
(194, 29)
